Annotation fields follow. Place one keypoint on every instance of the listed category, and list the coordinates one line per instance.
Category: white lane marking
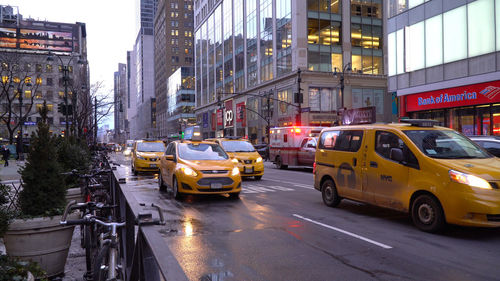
(293, 183)
(345, 232)
(264, 188)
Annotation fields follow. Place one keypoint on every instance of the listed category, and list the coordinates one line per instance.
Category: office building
(444, 62)
(43, 61)
(247, 51)
(120, 104)
(173, 49)
(143, 87)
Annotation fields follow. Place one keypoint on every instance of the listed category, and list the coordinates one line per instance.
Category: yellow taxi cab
(244, 155)
(146, 155)
(193, 166)
(434, 173)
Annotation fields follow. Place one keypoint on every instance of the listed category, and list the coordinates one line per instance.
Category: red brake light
(314, 168)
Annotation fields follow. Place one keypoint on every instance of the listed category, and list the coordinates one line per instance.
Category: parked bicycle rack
(145, 255)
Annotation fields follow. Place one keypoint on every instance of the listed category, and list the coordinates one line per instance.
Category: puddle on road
(185, 227)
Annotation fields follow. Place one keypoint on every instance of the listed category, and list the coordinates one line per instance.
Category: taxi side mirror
(169, 157)
(396, 154)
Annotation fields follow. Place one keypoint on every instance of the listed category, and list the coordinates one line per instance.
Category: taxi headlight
(235, 171)
(258, 160)
(234, 160)
(140, 157)
(469, 180)
(189, 172)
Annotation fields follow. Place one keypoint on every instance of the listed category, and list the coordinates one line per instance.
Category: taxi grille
(216, 190)
(247, 161)
(153, 159)
(493, 217)
(208, 181)
(212, 172)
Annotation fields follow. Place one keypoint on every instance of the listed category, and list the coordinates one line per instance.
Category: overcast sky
(111, 29)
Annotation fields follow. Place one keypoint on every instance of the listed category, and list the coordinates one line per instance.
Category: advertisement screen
(58, 38)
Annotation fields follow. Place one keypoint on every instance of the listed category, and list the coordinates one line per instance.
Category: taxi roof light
(420, 122)
(193, 133)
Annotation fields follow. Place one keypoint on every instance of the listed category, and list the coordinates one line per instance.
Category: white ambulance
(293, 146)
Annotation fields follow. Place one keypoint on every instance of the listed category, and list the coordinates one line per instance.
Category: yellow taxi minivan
(244, 155)
(434, 173)
(146, 155)
(193, 166)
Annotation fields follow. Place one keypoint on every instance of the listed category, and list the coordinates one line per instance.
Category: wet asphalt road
(280, 229)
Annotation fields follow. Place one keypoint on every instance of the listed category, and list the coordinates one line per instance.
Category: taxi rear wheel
(329, 193)
(161, 184)
(175, 187)
(427, 214)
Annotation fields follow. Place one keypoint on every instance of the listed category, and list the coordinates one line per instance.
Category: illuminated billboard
(41, 36)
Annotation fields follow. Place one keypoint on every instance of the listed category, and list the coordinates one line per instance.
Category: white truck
(293, 146)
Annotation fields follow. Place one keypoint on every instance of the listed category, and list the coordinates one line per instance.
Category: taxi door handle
(354, 161)
(373, 164)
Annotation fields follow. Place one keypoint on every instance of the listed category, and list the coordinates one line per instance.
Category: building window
(368, 97)
(48, 68)
(38, 68)
(50, 82)
(322, 99)
(367, 8)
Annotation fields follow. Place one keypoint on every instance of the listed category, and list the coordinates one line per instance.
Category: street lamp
(65, 69)
(21, 121)
(346, 68)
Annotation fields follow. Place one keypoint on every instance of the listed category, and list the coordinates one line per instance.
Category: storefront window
(322, 99)
(495, 113)
(462, 120)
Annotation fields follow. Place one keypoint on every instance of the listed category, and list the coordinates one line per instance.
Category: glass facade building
(439, 49)
(248, 55)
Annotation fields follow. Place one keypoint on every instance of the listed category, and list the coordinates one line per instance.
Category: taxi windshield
(237, 146)
(201, 151)
(444, 144)
(150, 147)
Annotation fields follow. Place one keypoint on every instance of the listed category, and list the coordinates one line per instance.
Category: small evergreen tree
(73, 155)
(44, 192)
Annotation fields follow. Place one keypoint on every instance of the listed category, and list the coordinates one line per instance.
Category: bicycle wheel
(100, 264)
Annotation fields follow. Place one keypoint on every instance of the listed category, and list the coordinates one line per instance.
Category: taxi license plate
(153, 166)
(248, 170)
(216, 185)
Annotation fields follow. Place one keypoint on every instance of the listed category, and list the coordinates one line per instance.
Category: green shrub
(15, 269)
(5, 215)
(44, 191)
(72, 155)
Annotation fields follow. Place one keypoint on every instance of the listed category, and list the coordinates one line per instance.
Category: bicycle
(88, 230)
(106, 264)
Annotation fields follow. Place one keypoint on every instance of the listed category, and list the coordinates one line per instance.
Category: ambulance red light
(297, 130)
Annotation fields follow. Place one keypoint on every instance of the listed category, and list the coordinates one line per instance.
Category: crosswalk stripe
(293, 183)
(261, 189)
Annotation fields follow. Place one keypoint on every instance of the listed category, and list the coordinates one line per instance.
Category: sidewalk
(75, 264)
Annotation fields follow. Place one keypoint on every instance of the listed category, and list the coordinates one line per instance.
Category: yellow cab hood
(149, 154)
(486, 168)
(210, 164)
(244, 155)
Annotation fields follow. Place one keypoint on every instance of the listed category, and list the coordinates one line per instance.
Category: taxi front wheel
(329, 193)
(175, 187)
(161, 184)
(427, 214)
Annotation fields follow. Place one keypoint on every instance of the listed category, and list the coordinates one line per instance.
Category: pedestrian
(6, 154)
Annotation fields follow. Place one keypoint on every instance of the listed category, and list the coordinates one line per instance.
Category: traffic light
(242, 112)
(298, 98)
(69, 110)
(60, 108)
(181, 134)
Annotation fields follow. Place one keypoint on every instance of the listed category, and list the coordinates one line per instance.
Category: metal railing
(145, 254)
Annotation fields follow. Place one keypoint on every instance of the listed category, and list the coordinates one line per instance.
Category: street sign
(305, 109)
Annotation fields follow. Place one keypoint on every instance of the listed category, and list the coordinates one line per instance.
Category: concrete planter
(41, 240)
(74, 194)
